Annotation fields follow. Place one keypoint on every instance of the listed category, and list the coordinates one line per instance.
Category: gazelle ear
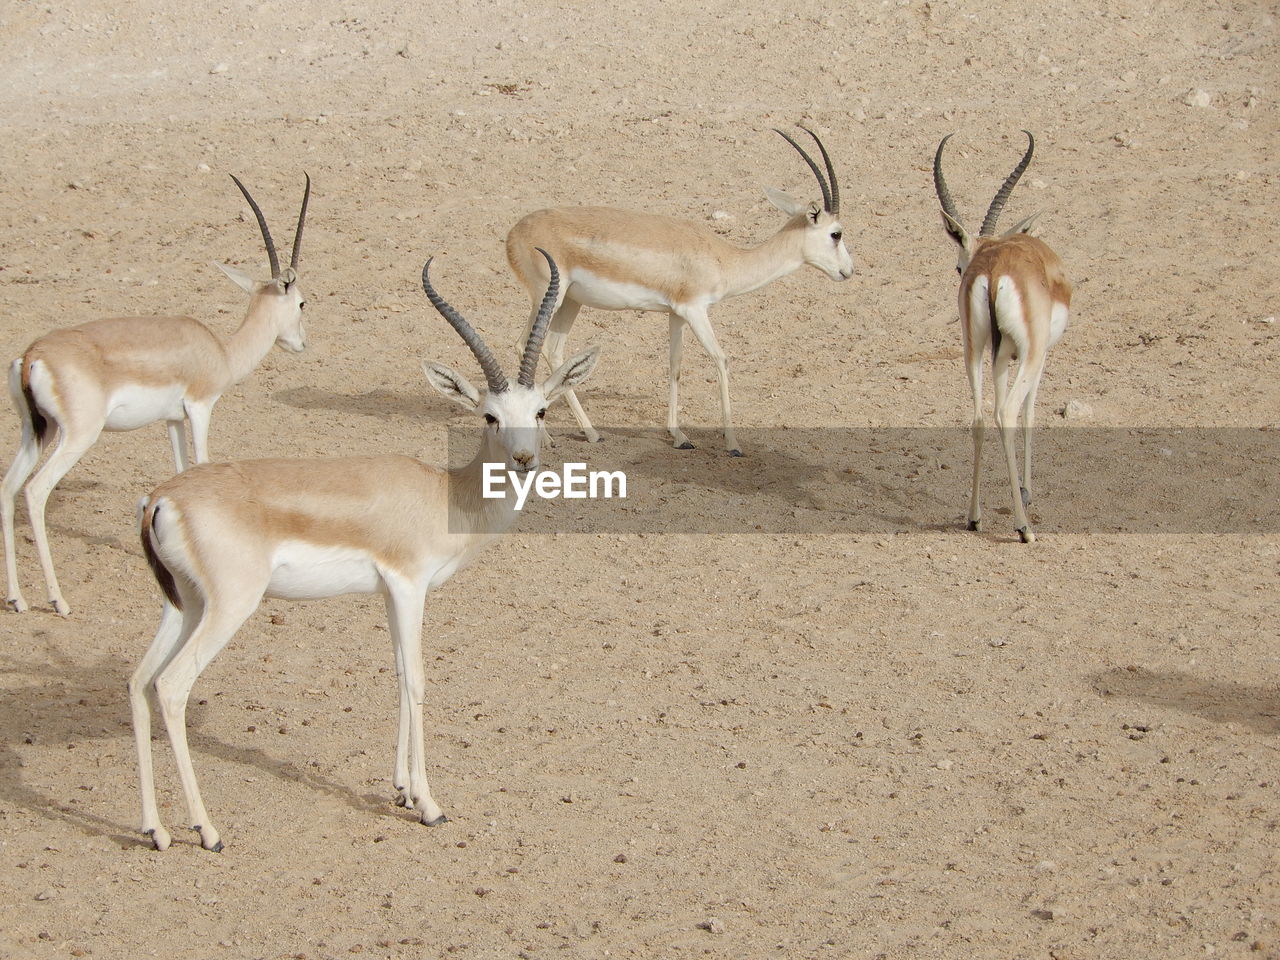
(570, 373)
(783, 201)
(449, 383)
(958, 233)
(1024, 225)
(238, 277)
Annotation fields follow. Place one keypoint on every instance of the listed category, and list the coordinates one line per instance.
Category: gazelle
(1013, 294)
(622, 260)
(126, 372)
(221, 536)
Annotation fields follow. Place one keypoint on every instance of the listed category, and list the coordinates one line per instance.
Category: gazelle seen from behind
(622, 260)
(222, 536)
(1015, 296)
(126, 372)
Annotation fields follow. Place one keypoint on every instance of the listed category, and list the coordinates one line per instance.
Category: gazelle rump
(1015, 296)
(623, 260)
(127, 372)
(220, 537)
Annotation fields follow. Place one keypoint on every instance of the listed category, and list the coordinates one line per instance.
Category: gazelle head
(964, 239)
(513, 413)
(281, 296)
(823, 243)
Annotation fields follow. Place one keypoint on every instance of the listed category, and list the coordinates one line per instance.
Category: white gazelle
(222, 536)
(1015, 296)
(126, 372)
(622, 260)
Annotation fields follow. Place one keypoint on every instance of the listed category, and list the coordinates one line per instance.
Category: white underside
(592, 290)
(302, 571)
(134, 406)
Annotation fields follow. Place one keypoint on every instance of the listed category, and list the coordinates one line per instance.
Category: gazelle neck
(253, 339)
(751, 268)
(469, 510)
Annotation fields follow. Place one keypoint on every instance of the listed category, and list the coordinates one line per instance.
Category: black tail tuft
(39, 422)
(162, 574)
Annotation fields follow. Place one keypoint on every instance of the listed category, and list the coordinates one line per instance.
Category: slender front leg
(405, 601)
(199, 414)
(673, 399)
(400, 773)
(178, 440)
(700, 324)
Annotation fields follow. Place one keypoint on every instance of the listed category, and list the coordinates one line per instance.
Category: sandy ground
(896, 740)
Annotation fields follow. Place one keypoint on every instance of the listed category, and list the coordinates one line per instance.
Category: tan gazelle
(623, 260)
(221, 536)
(1015, 296)
(127, 372)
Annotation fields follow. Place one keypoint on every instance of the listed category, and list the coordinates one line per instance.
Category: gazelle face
(513, 418)
(824, 244)
(291, 335)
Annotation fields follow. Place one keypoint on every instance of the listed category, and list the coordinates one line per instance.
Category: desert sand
(875, 735)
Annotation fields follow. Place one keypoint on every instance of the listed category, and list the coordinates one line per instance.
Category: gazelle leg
(557, 337)
(199, 415)
(1028, 426)
(700, 324)
(400, 773)
(218, 623)
(405, 600)
(174, 628)
(673, 399)
(71, 446)
(178, 440)
(24, 461)
(973, 365)
(1008, 404)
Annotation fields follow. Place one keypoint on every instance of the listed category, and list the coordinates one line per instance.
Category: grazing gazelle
(126, 372)
(1014, 295)
(621, 260)
(222, 536)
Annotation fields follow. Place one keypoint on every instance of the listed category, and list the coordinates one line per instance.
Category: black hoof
(685, 446)
(1025, 534)
(973, 524)
(735, 453)
(400, 800)
(436, 822)
(596, 440)
(216, 848)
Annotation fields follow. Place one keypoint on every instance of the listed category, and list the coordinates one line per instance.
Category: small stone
(1197, 97)
(712, 925)
(408, 50)
(620, 858)
(1270, 319)
(202, 168)
(219, 68)
(1077, 410)
(44, 895)
(945, 764)
(721, 215)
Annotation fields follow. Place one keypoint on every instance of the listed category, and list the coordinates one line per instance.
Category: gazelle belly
(135, 406)
(304, 571)
(592, 290)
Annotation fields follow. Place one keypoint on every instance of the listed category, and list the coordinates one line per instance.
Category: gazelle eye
(490, 419)
(542, 413)
(836, 235)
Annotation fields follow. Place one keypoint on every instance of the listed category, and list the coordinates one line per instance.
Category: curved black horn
(262, 225)
(831, 171)
(940, 184)
(533, 346)
(302, 218)
(822, 181)
(997, 205)
(493, 374)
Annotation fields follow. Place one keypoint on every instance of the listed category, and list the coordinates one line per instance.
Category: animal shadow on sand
(1250, 705)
